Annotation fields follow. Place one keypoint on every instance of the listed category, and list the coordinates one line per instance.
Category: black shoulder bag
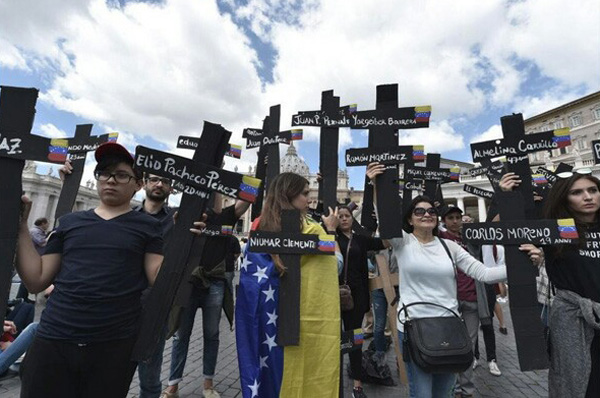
(437, 344)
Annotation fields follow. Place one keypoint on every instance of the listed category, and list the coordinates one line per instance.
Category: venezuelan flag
(359, 338)
(539, 179)
(401, 184)
(310, 369)
(353, 108)
(418, 152)
(249, 189)
(235, 151)
(562, 137)
(296, 134)
(112, 137)
(422, 113)
(327, 243)
(455, 173)
(226, 229)
(58, 150)
(567, 228)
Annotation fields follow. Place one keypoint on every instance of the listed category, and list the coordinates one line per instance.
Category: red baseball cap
(112, 148)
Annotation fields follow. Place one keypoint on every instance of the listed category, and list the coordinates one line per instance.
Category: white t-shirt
(487, 255)
(426, 274)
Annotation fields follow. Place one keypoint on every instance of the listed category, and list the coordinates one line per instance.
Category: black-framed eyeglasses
(120, 176)
(569, 174)
(156, 180)
(420, 211)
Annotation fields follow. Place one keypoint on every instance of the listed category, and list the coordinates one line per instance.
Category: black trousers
(353, 320)
(54, 368)
(489, 337)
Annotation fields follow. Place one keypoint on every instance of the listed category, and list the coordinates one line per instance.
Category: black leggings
(353, 320)
(489, 336)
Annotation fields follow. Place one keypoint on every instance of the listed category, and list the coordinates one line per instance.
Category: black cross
(519, 205)
(596, 151)
(198, 178)
(188, 142)
(433, 177)
(79, 146)
(289, 284)
(17, 111)
(329, 119)
(383, 124)
(267, 140)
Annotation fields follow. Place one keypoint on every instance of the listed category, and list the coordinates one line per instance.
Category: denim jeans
(470, 315)
(211, 302)
(427, 385)
(18, 347)
(380, 315)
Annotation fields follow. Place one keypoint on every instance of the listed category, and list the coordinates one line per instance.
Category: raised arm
(36, 272)
(373, 170)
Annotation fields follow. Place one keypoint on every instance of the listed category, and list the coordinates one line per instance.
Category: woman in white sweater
(427, 274)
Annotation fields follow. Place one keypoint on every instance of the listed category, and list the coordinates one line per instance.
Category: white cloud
(492, 133)
(438, 138)
(159, 70)
(154, 70)
(51, 131)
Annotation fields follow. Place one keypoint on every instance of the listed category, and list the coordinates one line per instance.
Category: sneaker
(503, 330)
(494, 368)
(475, 363)
(357, 392)
(210, 393)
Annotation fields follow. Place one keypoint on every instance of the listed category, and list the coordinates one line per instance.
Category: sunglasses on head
(569, 174)
(420, 211)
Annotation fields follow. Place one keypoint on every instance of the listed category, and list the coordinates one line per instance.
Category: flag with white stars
(260, 358)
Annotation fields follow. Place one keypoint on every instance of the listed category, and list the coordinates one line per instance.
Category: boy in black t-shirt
(100, 261)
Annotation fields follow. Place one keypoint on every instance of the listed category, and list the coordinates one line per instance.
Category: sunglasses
(569, 174)
(420, 211)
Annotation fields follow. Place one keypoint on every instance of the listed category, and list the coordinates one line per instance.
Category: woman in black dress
(355, 273)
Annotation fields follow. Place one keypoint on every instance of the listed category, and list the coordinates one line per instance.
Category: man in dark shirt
(100, 261)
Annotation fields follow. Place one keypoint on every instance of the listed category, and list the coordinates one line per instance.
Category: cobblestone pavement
(512, 383)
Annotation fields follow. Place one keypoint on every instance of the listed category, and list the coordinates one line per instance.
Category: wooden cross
(383, 124)
(519, 205)
(387, 282)
(198, 177)
(17, 111)
(329, 119)
(78, 148)
(290, 244)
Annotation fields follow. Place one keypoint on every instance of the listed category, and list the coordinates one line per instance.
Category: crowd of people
(97, 267)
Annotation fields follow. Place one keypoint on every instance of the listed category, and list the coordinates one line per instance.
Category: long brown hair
(280, 193)
(282, 190)
(557, 206)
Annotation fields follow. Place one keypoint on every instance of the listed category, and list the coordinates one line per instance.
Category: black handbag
(437, 344)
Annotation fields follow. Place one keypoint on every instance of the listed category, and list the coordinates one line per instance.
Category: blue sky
(156, 70)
